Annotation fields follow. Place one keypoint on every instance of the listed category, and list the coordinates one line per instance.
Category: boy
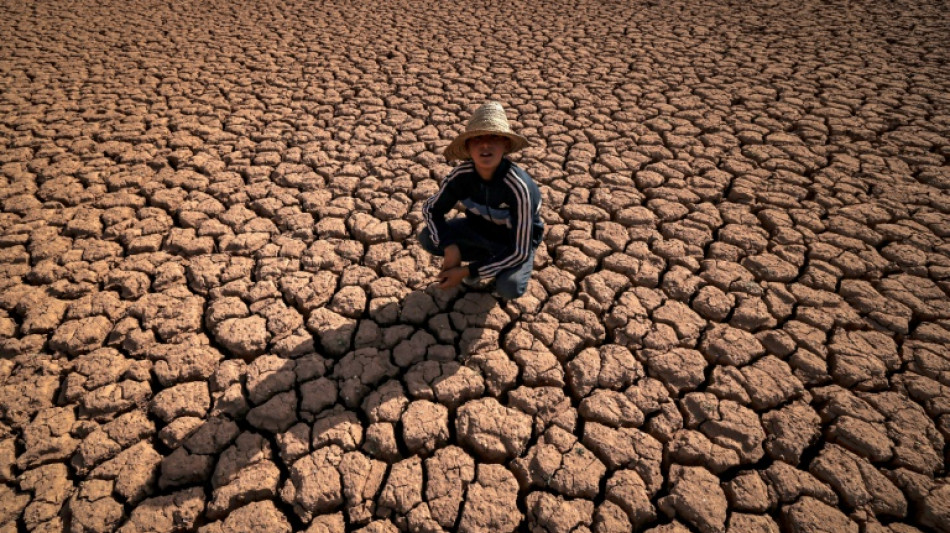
(501, 229)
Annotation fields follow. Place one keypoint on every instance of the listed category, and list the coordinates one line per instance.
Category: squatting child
(501, 229)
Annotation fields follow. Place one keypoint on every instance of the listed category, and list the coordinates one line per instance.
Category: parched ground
(214, 315)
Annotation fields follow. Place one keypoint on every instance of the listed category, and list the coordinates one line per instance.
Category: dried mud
(214, 315)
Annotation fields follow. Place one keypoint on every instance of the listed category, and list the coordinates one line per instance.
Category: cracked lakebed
(214, 314)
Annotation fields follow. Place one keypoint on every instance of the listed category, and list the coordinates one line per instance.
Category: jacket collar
(499, 175)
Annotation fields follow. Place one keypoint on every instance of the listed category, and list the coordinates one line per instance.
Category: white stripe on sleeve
(430, 203)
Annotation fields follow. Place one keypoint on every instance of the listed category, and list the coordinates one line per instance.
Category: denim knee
(425, 239)
(510, 288)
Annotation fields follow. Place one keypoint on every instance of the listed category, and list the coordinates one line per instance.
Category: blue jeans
(509, 283)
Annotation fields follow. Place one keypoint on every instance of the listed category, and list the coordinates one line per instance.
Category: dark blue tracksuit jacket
(504, 209)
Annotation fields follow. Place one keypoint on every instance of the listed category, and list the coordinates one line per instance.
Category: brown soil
(214, 315)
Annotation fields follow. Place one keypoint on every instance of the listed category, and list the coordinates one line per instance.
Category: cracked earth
(214, 315)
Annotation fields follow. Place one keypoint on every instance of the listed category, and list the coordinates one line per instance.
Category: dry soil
(214, 315)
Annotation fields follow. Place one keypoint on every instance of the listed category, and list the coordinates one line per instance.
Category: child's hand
(452, 277)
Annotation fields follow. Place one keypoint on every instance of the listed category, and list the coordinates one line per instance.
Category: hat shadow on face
(508, 143)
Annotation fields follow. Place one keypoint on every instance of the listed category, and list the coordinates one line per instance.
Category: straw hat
(488, 119)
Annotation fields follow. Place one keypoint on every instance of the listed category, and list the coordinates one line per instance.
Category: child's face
(486, 151)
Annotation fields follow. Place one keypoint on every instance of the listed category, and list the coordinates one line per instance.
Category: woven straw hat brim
(488, 119)
(457, 151)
